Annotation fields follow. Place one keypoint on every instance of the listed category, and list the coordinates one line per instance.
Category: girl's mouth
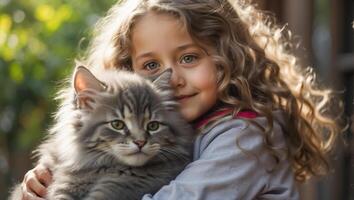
(184, 97)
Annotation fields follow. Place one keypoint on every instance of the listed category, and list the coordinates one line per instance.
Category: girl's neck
(221, 111)
(217, 111)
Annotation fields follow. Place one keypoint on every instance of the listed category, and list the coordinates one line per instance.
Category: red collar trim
(248, 114)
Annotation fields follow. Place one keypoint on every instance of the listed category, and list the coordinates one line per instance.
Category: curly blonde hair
(257, 69)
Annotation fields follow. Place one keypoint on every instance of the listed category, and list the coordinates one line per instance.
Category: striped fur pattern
(117, 136)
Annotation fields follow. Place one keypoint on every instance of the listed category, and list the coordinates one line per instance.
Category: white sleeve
(225, 171)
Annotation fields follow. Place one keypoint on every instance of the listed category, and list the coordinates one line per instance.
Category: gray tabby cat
(118, 138)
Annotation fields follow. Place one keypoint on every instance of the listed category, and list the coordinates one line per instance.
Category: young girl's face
(159, 41)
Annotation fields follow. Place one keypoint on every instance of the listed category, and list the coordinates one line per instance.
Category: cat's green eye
(153, 126)
(117, 124)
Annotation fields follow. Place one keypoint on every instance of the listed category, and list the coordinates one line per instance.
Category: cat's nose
(140, 143)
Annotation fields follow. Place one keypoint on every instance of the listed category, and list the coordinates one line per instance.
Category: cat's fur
(91, 157)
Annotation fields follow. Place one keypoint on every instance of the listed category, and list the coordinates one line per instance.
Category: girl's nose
(177, 79)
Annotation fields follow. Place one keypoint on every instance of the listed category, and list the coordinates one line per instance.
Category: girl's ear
(85, 84)
(85, 80)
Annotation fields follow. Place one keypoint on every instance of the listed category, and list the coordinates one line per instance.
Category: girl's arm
(223, 171)
(35, 183)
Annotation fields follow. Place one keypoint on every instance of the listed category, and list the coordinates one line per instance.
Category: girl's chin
(188, 115)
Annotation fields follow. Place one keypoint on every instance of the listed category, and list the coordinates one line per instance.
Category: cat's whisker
(151, 151)
(174, 153)
(155, 145)
(163, 157)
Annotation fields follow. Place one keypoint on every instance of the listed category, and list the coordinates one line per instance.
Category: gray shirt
(231, 162)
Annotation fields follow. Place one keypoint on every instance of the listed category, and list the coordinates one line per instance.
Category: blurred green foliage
(39, 40)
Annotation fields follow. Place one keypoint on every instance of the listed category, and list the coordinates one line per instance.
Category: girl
(261, 118)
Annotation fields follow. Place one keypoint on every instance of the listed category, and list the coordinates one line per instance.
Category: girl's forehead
(156, 20)
(159, 30)
(162, 32)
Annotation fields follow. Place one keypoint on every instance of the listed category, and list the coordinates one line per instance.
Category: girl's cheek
(204, 78)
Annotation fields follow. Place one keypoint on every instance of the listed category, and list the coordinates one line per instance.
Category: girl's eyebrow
(186, 46)
(191, 45)
(144, 55)
(179, 48)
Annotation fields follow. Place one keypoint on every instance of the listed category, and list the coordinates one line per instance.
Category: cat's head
(124, 115)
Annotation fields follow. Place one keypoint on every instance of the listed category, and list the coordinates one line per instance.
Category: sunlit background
(39, 40)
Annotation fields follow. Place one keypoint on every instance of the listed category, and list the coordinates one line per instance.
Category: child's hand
(35, 183)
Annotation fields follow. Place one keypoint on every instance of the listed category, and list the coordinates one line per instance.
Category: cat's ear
(85, 80)
(84, 83)
(162, 81)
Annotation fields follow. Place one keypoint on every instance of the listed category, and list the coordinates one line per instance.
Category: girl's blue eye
(151, 66)
(188, 59)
